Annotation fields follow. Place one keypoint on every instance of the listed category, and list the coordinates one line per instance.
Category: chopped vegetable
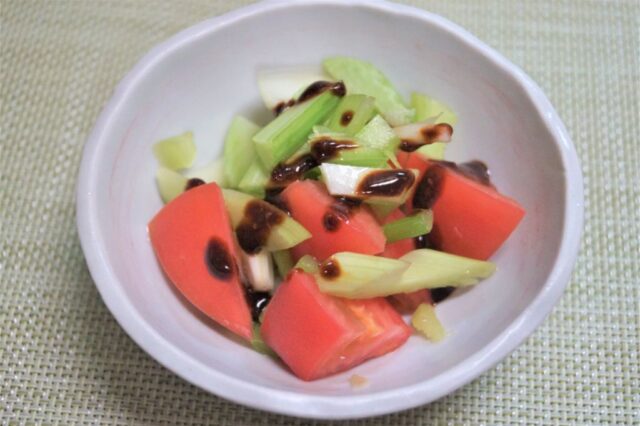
(176, 153)
(283, 261)
(308, 264)
(239, 152)
(258, 270)
(278, 85)
(363, 78)
(419, 223)
(426, 108)
(170, 183)
(378, 134)
(357, 276)
(259, 224)
(352, 113)
(255, 180)
(258, 343)
(426, 322)
(282, 137)
(432, 269)
(212, 172)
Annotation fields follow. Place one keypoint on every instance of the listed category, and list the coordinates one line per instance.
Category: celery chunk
(351, 115)
(425, 321)
(239, 152)
(419, 223)
(177, 152)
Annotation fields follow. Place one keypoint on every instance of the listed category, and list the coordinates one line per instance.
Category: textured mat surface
(64, 359)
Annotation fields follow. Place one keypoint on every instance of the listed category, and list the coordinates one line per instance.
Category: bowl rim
(316, 406)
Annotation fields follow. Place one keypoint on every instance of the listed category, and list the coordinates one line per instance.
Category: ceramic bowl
(201, 77)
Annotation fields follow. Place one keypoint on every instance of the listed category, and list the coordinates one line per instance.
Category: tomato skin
(317, 335)
(311, 205)
(181, 234)
(470, 219)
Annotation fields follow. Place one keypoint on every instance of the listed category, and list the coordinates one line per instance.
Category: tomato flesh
(333, 228)
(187, 235)
(317, 335)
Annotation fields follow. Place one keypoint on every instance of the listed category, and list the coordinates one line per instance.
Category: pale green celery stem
(427, 107)
(378, 134)
(177, 152)
(361, 156)
(308, 264)
(412, 226)
(170, 183)
(255, 180)
(283, 261)
(239, 151)
(281, 138)
(361, 108)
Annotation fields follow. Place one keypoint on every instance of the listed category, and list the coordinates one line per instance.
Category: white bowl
(201, 77)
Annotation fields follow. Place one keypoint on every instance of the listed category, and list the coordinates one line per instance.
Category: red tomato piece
(193, 241)
(333, 229)
(470, 219)
(317, 335)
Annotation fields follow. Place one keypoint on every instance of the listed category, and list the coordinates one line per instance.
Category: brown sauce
(338, 88)
(218, 259)
(273, 196)
(331, 221)
(475, 170)
(346, 118)
(429, 134)
(282, 105)
(285, 173)
(428, 188)
(257, 301)
(387, 183)
(432, 240)
(192, 183)
(441, 293)
(330, 269)
(326, 148)
(255, 228)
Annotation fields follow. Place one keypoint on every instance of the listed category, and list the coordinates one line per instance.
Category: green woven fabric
(64, 359)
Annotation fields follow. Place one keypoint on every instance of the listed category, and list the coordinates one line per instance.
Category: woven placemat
(65, 360)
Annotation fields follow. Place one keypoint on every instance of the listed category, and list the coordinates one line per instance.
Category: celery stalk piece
(425, 321)
(246, 212)
(324, 130)
(239, 152)
(361, 77)
(308, 264)
(282, 137)
(419, 223)
(356, 276)
(381, 210)
(417, 135)
(212, 172)
(258, 343)
(374, 185)
(177, 152)
(378, 134)
(258, 270)
(283, 261)
(352, 113)
(281, 84)
(361, 156)
(427, 107)
(170, 183)
(255, 180)
(433, 269)
(434, 151)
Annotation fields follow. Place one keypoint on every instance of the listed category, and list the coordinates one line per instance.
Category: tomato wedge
(317, 335)
(193, 241)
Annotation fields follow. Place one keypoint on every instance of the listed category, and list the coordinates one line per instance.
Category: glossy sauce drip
(257, 301)
(330, 269)
(441, 293)
(192, 183)
(218, 259)
(273, 196)
(255, 228)
(282, 105)
(429, 134)
(386, 183)
(339, 212)
(476, 170)
(325, 149)
(289, 172)
(432, 240)
(346, 118)
(338, 88)
(428, 188)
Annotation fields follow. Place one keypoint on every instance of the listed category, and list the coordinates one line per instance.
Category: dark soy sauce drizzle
(330, 269)
(346, 118)
(325, 149)
(441, 293)
(313, 90)
(428, 188)
(257, 301)
(431, 240)
(192, 183)
(387, 183)
(273, 196)
(218, 259)
(339, 212)
(255, 227)
(430, 134)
